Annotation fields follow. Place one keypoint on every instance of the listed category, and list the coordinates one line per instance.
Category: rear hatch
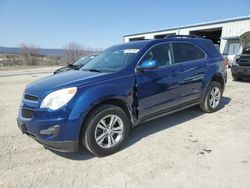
(244, 58)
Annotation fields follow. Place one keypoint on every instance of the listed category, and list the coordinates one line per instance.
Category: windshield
(246, 51)
(112, 60)
(84, 60)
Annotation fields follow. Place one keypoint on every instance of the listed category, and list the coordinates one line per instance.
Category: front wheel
(106, 131)
(212, 99)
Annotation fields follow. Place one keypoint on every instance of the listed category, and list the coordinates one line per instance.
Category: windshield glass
(84, 60)
(246, 51)
(112, 60)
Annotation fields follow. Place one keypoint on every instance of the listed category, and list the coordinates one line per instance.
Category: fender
(97, 93)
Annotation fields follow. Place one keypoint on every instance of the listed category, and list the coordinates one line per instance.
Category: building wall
(233, 28)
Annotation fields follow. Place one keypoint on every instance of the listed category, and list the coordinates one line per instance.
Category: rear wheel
(106, 131)
(212, 100)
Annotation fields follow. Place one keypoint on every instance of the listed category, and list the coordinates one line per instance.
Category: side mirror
(147, 65)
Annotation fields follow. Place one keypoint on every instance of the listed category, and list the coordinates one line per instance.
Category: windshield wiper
(74, 66)
(92, 70)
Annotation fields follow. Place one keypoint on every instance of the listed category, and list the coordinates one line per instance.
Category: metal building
(231, 35)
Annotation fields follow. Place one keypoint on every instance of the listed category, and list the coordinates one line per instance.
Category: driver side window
(161, 53)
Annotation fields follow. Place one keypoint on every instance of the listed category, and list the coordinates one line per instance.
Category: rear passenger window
(187, 52)
(161, 53)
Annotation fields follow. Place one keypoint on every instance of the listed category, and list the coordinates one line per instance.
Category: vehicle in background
(122, 87)
(231, 53)
(229, 60)
(77, 65)
(241, 67)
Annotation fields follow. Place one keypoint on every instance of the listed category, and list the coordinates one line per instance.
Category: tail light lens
(226, 63)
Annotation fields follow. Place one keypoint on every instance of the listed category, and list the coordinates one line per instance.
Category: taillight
(226, 63)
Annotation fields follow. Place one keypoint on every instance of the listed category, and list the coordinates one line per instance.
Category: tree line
(73, 51)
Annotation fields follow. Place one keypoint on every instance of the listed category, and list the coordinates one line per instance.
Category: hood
(63, 80)
(245, 40)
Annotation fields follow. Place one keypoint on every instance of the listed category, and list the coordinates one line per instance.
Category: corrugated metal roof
(195, 25)
(230, 37)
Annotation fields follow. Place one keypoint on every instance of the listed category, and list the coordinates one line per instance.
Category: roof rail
(182, 36)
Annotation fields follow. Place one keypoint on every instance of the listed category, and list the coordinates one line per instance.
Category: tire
(207, 104)
(236, 78)
(98, 128)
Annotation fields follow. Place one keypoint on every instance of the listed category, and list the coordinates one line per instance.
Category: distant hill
(47, 52)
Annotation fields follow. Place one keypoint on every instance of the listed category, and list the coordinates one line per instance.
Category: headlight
(59, 98)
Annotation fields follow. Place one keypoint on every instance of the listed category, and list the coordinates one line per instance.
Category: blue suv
(123, 86)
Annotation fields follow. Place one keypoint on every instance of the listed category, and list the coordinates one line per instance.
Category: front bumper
(62, 146)
(58, 130)
(240, 70)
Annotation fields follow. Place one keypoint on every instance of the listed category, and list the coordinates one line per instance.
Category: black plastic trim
(30, 97)
(168, 111)
(61, 146)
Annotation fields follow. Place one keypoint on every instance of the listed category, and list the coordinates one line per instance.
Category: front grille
(30, 97)
(244, 61)
(244, 64)
(27, 113)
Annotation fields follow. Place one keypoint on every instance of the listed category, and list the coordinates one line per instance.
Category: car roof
(149, 42)
(155, 41)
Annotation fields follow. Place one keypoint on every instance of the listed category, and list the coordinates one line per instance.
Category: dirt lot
(186, 149)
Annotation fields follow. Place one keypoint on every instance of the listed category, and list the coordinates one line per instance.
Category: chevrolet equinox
(121, 87)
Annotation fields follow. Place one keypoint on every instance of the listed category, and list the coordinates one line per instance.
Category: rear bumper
(240, 70)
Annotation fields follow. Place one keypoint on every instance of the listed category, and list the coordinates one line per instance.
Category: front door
(158, 89)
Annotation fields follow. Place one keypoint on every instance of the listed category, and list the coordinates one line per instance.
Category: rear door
(192, 61)
(158, 89)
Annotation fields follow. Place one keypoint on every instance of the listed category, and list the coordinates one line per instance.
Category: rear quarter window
(184, 51)
(210, 49)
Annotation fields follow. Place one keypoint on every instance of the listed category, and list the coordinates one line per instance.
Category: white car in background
(235, 49)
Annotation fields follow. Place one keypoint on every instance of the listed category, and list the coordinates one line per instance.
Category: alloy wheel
(109, 131)
(214, 97)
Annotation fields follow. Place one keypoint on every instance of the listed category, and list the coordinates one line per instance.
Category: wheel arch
(220, 79)
(108, 101)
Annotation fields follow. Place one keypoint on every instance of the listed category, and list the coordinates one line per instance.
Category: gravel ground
(185, 149)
